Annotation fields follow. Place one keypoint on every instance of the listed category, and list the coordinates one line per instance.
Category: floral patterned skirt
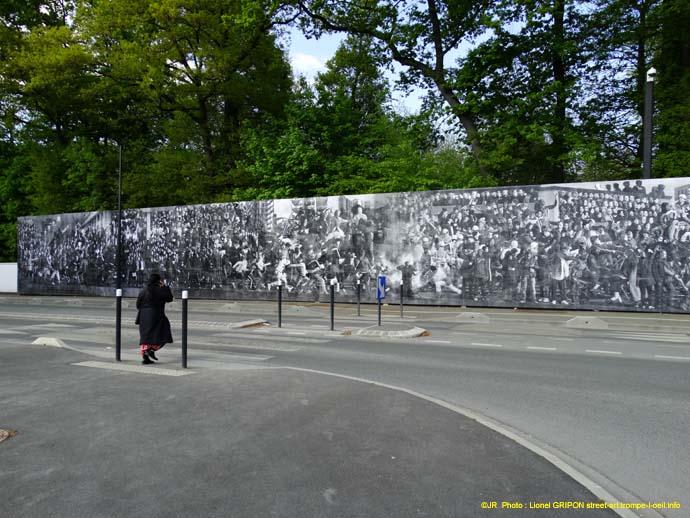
(149, 347)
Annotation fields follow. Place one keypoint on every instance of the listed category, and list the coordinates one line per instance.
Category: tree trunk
(206, 134)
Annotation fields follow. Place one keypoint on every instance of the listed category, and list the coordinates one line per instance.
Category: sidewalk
(96, 442)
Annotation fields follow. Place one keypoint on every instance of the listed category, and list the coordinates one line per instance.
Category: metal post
(379, 311)
(647, 123)
(185, 296)
(332, 304)
(118, 324)
(280, 304)
(401, 298)
(359, 288)
(118, 267)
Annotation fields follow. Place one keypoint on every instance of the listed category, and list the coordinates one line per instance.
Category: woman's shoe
(146, 360)
(152, 356)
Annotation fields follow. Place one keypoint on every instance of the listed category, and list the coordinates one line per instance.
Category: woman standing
(154, 326)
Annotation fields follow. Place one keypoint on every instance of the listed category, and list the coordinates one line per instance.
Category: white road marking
(602, 352)
(486, 345)
(671, 357)
(438, 341)
(655, 337)
(295, 333)
(564, 339)
(542, 348)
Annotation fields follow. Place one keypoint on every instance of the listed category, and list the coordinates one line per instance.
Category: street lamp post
(118, 267)
(647, 124)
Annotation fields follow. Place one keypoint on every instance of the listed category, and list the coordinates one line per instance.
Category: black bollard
(185, 295)
(118, 325)
(280, 304)
(401, 298)
(379, 311)
(359, 288)
(332, 304)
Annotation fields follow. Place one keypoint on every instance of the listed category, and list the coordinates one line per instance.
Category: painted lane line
(486, 345)
(295, 333)
(542, 348)
(438, 341)
(652, 338)
(564, 339)
(602, 352)
(671, 357)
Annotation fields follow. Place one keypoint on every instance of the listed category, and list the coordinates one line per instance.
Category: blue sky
(309, 57)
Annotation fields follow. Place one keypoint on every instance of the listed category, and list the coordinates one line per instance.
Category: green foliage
(340, 137)
(673, 91)
(13, 198)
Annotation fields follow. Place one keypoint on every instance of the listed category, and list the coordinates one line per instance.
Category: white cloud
(307, 65)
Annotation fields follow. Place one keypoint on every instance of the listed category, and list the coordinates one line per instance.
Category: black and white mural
(613, 245)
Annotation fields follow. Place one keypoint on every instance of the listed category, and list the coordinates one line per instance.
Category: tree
(341, 137)
(521, 82)
(207, 67)
(420, 37)
(42, 85)
(673, 91)
(621, 40)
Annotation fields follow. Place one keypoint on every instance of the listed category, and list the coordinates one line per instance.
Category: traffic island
(586, 323)
(392, 331)
(244, 324)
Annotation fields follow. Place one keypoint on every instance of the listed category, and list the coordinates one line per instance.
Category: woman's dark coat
(154, 326)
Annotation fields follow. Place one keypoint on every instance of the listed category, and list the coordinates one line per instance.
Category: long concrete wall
(622, 246)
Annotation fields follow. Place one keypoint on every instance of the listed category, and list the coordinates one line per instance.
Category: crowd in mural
(586, 248)
(584, 245)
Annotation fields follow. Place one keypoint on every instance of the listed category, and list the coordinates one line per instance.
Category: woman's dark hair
(155, 279)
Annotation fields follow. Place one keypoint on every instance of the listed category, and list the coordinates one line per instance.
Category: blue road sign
(381, 287)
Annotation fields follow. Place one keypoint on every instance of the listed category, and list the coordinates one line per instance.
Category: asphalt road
(613, 403)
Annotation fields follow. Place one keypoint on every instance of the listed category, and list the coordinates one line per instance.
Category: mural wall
(621, 246)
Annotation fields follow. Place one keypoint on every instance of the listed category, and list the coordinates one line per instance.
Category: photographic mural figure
(590, 245)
